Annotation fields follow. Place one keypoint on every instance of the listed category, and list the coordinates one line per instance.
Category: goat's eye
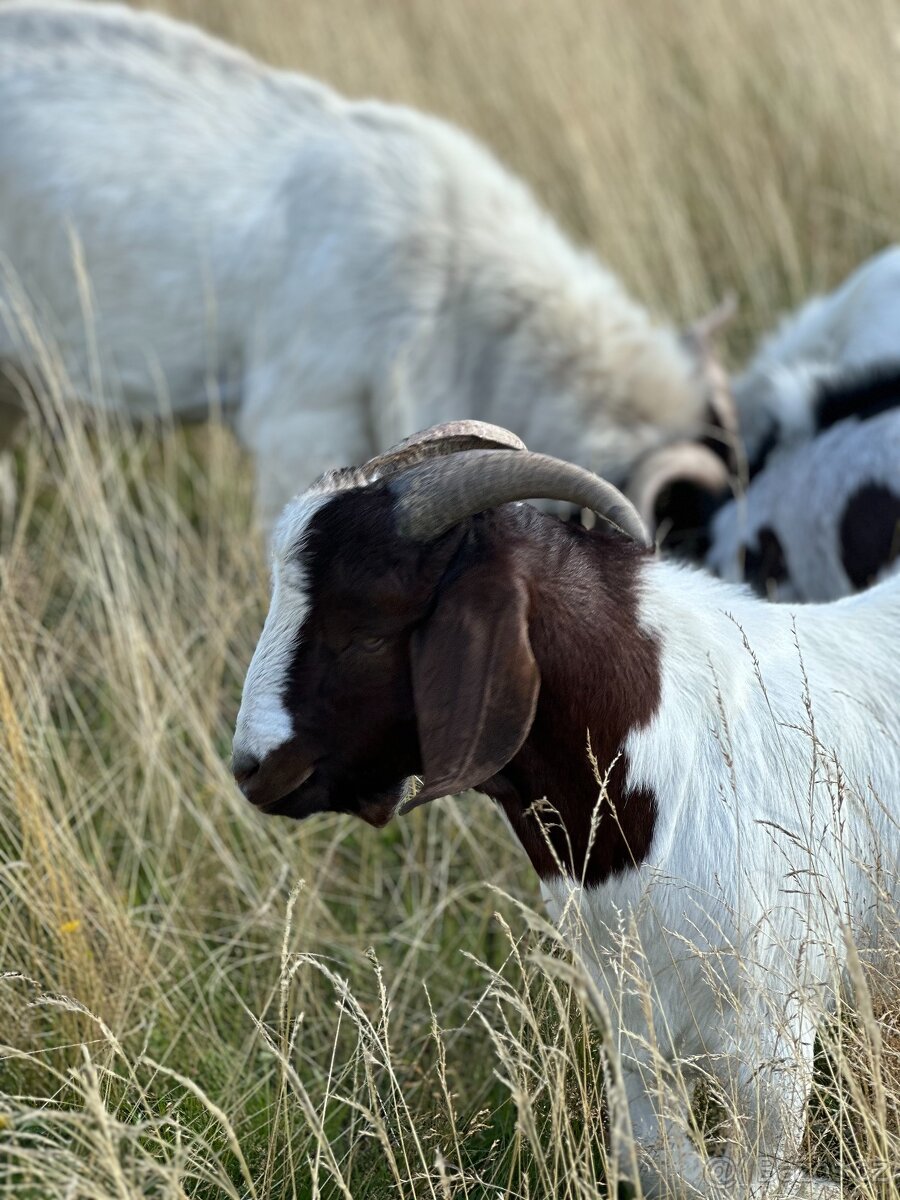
(371, 644)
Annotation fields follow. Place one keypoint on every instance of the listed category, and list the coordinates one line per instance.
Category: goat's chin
(318, 795)
(377, 808)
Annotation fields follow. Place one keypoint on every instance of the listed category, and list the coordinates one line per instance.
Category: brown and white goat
(423, 624)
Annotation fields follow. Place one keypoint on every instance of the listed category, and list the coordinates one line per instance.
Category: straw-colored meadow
(197, 1001)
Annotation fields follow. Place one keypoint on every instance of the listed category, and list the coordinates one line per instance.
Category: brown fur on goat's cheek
(353, 552)
(600, 679)
(352, 711)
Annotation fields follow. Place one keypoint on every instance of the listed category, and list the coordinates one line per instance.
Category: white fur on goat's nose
(263, 722)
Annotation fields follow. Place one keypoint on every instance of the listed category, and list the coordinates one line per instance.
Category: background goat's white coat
(331, 273)
(854, 327)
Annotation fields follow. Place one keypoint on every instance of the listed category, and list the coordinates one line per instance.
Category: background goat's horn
(438, 495)
(705, 328)
(687, 462)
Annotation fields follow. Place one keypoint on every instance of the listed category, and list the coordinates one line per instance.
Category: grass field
(199, 1002)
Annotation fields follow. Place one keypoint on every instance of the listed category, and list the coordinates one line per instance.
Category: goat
(822, 518)
(819, 519)
(824, 362)
(835, 359)
(421, 623)
(328, 273)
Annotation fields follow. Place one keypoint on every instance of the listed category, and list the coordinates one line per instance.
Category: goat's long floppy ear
(475, 682)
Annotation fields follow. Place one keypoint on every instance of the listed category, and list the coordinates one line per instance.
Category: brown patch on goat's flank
(600, 679)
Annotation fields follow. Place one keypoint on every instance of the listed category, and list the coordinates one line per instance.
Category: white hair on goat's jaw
(263, 722)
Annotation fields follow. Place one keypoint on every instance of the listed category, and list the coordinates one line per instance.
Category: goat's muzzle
(270, 783)
(289, 784)
(244, 766)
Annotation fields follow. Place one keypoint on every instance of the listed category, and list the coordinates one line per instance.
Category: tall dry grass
(198, 1002)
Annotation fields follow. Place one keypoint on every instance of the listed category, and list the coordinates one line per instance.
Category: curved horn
(700, 337)
(434, 442)
(721, 400)
(438, 495)
(705, 328)
(690, 461)
(450, 437)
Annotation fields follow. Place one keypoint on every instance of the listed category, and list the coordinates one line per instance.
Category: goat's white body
(770, 841)
(331, 273)
(801, 496)
(849, 329)
(772, 756)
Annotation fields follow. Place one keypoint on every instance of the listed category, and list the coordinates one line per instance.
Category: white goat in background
(331, 273)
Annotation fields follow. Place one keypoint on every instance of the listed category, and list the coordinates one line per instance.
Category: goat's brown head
(388, 652)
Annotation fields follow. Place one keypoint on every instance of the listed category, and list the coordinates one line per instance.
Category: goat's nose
(244, 766)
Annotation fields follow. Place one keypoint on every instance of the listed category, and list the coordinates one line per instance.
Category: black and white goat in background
(819, 415)
(328, 273)
(825, 362)
(423, 623)
(822, 519)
